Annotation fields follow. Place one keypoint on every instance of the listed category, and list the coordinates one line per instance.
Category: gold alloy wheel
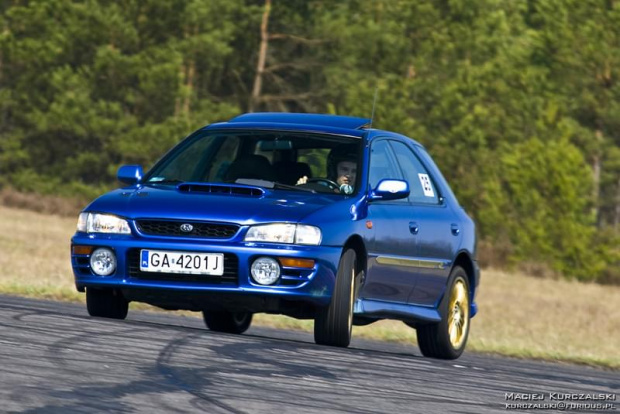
(458, 314)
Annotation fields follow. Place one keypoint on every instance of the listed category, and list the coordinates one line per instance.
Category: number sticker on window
(426, 185)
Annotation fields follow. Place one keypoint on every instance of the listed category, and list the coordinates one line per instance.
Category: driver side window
(382, 164)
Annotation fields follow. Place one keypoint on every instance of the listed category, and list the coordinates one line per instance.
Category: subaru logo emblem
(187, 227)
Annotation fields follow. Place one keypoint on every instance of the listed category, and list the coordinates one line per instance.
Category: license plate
(182, 262)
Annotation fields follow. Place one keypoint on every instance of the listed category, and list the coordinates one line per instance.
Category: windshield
(278, 160)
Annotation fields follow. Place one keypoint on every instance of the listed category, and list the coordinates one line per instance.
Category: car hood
(165, 202)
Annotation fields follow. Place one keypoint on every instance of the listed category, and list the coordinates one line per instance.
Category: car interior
(269, 161)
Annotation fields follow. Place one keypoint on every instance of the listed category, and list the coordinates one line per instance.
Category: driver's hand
(302, 180)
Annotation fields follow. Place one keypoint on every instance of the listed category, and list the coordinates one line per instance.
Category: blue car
(312, 216)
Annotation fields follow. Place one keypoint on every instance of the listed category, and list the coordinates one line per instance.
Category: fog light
(103, 262)
(265, 271)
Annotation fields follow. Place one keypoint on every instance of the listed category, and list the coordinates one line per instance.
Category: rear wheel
(106, 303)
(333, 323)
(229, 322)
(447, 339)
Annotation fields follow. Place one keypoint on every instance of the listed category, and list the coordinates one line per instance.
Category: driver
(341, 168)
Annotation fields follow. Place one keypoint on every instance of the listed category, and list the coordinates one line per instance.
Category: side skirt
(389, 310)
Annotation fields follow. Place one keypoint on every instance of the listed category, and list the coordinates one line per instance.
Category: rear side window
(421, 185)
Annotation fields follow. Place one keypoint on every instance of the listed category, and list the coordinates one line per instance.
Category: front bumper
(313, 286)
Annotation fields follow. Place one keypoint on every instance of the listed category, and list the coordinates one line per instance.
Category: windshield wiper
(271, 184)
(166, 181)
(293, 187)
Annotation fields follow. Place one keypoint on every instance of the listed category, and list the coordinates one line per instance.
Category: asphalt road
(55, 358)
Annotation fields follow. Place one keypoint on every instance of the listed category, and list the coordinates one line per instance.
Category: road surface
(55, 358)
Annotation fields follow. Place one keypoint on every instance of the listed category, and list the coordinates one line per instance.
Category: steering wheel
(324, 182)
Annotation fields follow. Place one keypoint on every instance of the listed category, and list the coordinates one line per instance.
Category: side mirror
(130, 174)
(390, 190)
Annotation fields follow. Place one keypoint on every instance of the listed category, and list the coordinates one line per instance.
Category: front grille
(199, 229)
(231, 268)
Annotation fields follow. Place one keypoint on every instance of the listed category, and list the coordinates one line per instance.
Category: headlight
(307, 235)
(276, 233)
(284, 233)
(82, 219)
(102, 223)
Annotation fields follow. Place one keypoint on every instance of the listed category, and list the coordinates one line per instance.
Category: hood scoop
(232, 189)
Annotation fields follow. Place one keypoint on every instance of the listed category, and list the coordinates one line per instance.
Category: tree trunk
(177, 101)
(617, 215)
(189, 83)
(262, 57)
(596, 173)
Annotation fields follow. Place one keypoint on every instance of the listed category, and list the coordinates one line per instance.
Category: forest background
(518, 101)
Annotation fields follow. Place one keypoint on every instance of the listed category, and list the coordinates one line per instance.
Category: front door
(437, 235)
(390, 275)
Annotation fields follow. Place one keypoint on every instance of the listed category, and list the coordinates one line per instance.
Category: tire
(448, 338)
(106, 303)
(228, 322)
(333, 323)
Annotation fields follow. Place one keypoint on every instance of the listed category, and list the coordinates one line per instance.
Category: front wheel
(228, 322)
(333, 323)
(447, 339)
(106, 303)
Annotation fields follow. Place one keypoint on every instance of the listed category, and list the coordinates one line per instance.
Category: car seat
(251, 166)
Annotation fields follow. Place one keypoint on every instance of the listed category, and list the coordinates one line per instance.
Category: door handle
(455, 230)
(413, 227)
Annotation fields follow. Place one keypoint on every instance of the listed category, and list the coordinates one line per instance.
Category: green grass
(520, 316)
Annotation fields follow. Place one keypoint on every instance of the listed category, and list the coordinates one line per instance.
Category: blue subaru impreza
(310, 216)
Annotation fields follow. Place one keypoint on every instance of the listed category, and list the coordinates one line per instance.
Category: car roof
(331, 124)
(336, 121)
(321, 123)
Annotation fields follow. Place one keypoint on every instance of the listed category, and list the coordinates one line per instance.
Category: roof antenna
(374, 102)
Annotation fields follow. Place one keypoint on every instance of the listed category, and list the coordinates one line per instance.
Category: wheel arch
(357, 243)
(464, 260)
